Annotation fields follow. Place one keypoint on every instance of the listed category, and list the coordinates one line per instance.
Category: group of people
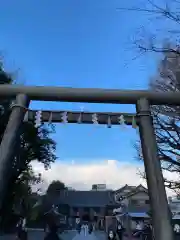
(116, 233)
(142, 231)
(146, 230)
(119, 231)
(51, 226)
(86, 226)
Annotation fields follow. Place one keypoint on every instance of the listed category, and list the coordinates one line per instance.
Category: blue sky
(82, 43)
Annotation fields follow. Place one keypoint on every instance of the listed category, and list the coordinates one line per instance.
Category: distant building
(86, 205)
(100, 203)
(174, 204)
(134, 203)
(121, 192)
(71, 188)
(99, 187)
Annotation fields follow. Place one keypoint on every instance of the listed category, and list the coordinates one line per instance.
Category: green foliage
(55, 187)
(44, 203)
(34, 144)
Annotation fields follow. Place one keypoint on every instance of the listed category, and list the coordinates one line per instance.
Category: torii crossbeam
(89, 95)
(142, 99)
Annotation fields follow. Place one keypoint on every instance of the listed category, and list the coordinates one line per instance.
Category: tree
(45, 202)
(166, 118)
(34, 144)
(163, 39)
(55, 187)
(166, 18)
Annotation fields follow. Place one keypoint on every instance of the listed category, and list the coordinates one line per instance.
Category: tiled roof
(86, 198)
(125, 187)
(138, 189)
(132, 190)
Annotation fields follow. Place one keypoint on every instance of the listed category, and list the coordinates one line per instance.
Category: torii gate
(142, 99)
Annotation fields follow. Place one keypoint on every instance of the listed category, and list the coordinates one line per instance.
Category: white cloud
(81, 176)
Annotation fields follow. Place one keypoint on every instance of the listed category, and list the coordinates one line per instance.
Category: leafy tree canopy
(45, 202)
(33, 145)
(164, 40)
(55, 187)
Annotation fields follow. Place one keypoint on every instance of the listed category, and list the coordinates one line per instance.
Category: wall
(120, 194)
(174, 205)
(101, 211)
(136, 203)
(140, 196)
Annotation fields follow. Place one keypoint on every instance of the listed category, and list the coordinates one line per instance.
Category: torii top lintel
(89, 95)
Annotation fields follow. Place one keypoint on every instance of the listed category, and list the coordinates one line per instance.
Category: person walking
(90, 227)
(147, 233)
(111, 231)
(176, 231)
(21, 233)
(52, 217)
(78, 225)
(119, 230)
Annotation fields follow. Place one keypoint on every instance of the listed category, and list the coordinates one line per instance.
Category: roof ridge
(88, 198)
(134, 192)
(126, 185)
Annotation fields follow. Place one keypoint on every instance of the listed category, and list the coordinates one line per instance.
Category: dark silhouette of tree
(164, 40)
(166, 118)
(55, 187)
(165, 17)
(44, 203)
(34, 144)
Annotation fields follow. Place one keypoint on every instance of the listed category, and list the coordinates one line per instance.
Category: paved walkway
(39, 235)
(87, 237)
(70, 235)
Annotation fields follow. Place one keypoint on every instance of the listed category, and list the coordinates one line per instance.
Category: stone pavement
(39, 235)
(92, 236)
(70, 235)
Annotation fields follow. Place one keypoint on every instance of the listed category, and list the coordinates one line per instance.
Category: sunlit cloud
(81, 176)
